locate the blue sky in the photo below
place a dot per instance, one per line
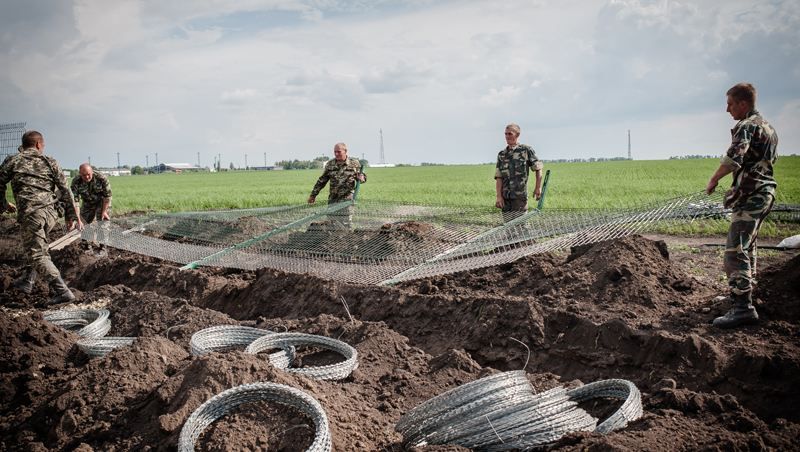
(441, 78)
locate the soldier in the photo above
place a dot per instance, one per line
(35, 179)
(95, 192)
(511, 175)
(342, 172)
(750, 157)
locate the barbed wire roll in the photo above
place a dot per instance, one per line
(630, 410)
(338, 371)
(222, 403)
(228, 337)
(99, 347)
(447, 401)
(94, 323)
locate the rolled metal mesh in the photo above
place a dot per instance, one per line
(99, 347)
(222, 403)
(93, 323)
(379, 242)
(502, 412)
(229, 337)
(338, 371)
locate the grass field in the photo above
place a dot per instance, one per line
(572, 185)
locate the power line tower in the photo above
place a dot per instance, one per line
(10, 138)
(629, 145)
(383, 155)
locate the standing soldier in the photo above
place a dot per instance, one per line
(750, 157)
(94, 191)
(511, 176)
(35, 181)
(342, 172)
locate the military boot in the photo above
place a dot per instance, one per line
(741, 313)
(26, 281)
(62, 292)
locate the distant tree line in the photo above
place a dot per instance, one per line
(317, 163)
(589, 160)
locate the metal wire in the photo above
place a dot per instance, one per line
(99, 347)
(338, 371)
(501, 412)
(378, 242)
(228, 337)
(222, 403)
(95, 320)
(630, 410)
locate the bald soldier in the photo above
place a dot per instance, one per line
(514, 163)
(94, 191)
(38, 184)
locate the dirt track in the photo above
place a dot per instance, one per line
(630, 309)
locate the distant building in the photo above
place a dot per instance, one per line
(265, 168)
(382, 165)
(179, 167)
(114, 171)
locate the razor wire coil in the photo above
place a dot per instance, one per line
(222, 403)
(337, 371)
(92, 325)
(228, 337)
(502, 412)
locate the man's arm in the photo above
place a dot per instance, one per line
(319, 185)
(71, 214)
(498, 188)
(105, 189)
(5, 178)
(723, 170)
(537, 166)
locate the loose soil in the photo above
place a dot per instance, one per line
(637, 308)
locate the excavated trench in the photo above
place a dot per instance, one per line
(620, 309)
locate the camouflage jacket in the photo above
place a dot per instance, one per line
(342, 177)
(92, 192)
(753, 151)
(36, 181)
(513, 166)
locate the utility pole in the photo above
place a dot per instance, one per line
(147, 162)
(198, 160)
(118, 165)
(245, 162)
(265, 160)
(629, 145)
(383, 156)
(158, 170)
(89, 159)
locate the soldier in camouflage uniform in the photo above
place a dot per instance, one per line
(342, 173)
(35, 179)
(94, 190)
(511, 175)
(750, 158)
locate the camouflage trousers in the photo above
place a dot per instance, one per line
(514, 208)
(342, 218)
(740, 249)
(91, 211)
(34, 229)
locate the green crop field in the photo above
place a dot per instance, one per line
(605, 185)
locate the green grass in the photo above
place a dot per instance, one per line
(572, 185)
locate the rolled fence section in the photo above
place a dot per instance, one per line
(98, 347)
(284, 341)
(222, 403)
(502, 412)
(630, 410)
(229, 337)
(93, 323)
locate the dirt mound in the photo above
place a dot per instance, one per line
(779, 289)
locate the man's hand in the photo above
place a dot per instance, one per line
(499, 202)
(312, 199)
(537, 193)
(75, 224)
(104, 216)
(11, 208)
(362, 177)
(712, 185)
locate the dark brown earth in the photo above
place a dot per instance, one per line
(634, 308)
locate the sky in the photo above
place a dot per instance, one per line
(287, 79)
